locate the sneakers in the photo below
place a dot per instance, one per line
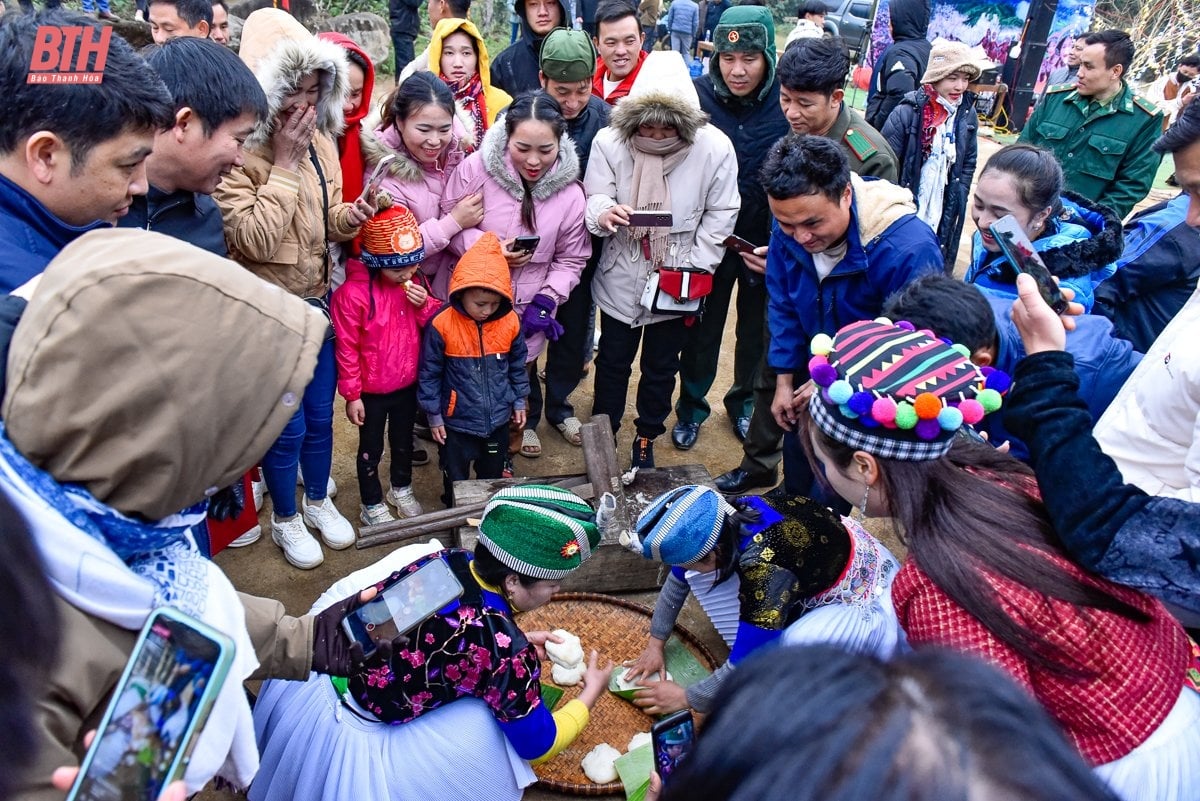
(249, 538)
(405, 502)
(259, 490)
(330, 486)
(299, 547)
(643, 453)
(336, 531)
(375, 514)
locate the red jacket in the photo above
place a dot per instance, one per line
(1139, 667)
(622, 88)
(377, 354)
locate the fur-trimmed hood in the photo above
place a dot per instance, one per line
(662, 94)
(280, 51)
(1083, 256)
(494, 152)
(378, 141)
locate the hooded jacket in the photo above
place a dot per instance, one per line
(494, 98)
(419, 187)
(276, 223)
(379, 333)
(473, 374)
(903, 132)
(30, 235)
(704, 188)
(349, 147)
(887, 247)
(516, 69)
(898, 71)
(752, 124)
(1079, 246)
(558, 206)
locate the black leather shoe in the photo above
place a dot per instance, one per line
(737, 480)
(643, 453)
(684, 435)
(741, 428)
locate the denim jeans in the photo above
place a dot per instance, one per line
(306, 441)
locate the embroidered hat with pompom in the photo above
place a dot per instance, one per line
(539, 531)
(896, 392)
(391, 239)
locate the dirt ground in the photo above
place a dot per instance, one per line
(261, 569)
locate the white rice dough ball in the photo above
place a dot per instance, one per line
(599, 764)
(638, 740)
(568, 653)
(567, 676)
(621, 684)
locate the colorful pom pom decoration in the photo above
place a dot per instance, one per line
(884, 412)
(999, 381)
(927, 406)
(949, 418)
(883, 321)
(990, 400)
(821, 345)
(847, 412)
(906, 416)
(972, 411)
(928, 429)
(960, 349)
(906, 325)
(822, 374)
(861, 402)
(840, 392)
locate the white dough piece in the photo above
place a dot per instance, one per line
(599, 765)
(568, 653)
(642, 681)
(638, 740)
(566, 677)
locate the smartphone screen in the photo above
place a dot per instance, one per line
(160, 704)
(673, 738)
(1017, 248)
(403, 605)
(738, 244)
(526, 244)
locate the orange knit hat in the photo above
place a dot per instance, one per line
(392, 240)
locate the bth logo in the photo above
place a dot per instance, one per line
(62, 54)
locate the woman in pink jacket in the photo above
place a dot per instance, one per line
(417, 129)
(378, 314)
(528, 172)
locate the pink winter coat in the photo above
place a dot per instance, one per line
(376, 354)
(419, 187)
(559, 205)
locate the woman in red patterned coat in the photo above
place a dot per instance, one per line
(985, 572)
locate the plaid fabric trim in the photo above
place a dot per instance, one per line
(886, 446)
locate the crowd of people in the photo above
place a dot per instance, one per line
(199, 216)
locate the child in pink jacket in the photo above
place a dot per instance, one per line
(378, 314)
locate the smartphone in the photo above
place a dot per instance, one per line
(1017, 248)
(157, 710)
(372, 185)
(402, 605)
(673, 738)
(651, 219)
(526, 244)
(736, 243)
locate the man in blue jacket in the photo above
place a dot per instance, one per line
(740, 93)
(72, 155)
(983, 323)
(840, 247)
(683, 21)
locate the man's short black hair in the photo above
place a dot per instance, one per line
(614, 11)
(1118, 48)
(814, 65)
(799, 165)
(459, 8)
(130, 96)
(811, 7)
(191, 11)
(1184, 132)
(209, 79)
(1189, 61)
(948, 307)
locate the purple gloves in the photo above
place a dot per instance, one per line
(538, 317)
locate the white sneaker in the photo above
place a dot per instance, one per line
(249, 538)
(336, 531)
(375, 514)
(405, 502)
(259, 490)
(298, 545)
(330, 486)
(139, 16)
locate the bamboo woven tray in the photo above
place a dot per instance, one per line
(618, 630)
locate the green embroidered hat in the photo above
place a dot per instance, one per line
(539, 531)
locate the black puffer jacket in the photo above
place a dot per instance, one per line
(898, 71)
(903, 132)
(516, 69)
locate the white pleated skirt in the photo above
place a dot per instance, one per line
(1167, 766)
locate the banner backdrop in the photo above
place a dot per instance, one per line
(1071, 19)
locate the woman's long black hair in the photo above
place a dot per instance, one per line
(543, 108)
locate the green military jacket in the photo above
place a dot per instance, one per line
(1105, 155)
(869, 153)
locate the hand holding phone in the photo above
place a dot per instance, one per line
(372, 184)
(651, 219)
(1021, 253)
(526, 244)
(736, 243)
(673, 738)
(402, 605)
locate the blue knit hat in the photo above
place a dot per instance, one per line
(681, 526)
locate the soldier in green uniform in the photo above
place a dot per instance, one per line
(1099, 128)
(811, 75)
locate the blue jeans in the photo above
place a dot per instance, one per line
(306, 442)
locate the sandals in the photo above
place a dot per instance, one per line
(571, 430)
(531, 446)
